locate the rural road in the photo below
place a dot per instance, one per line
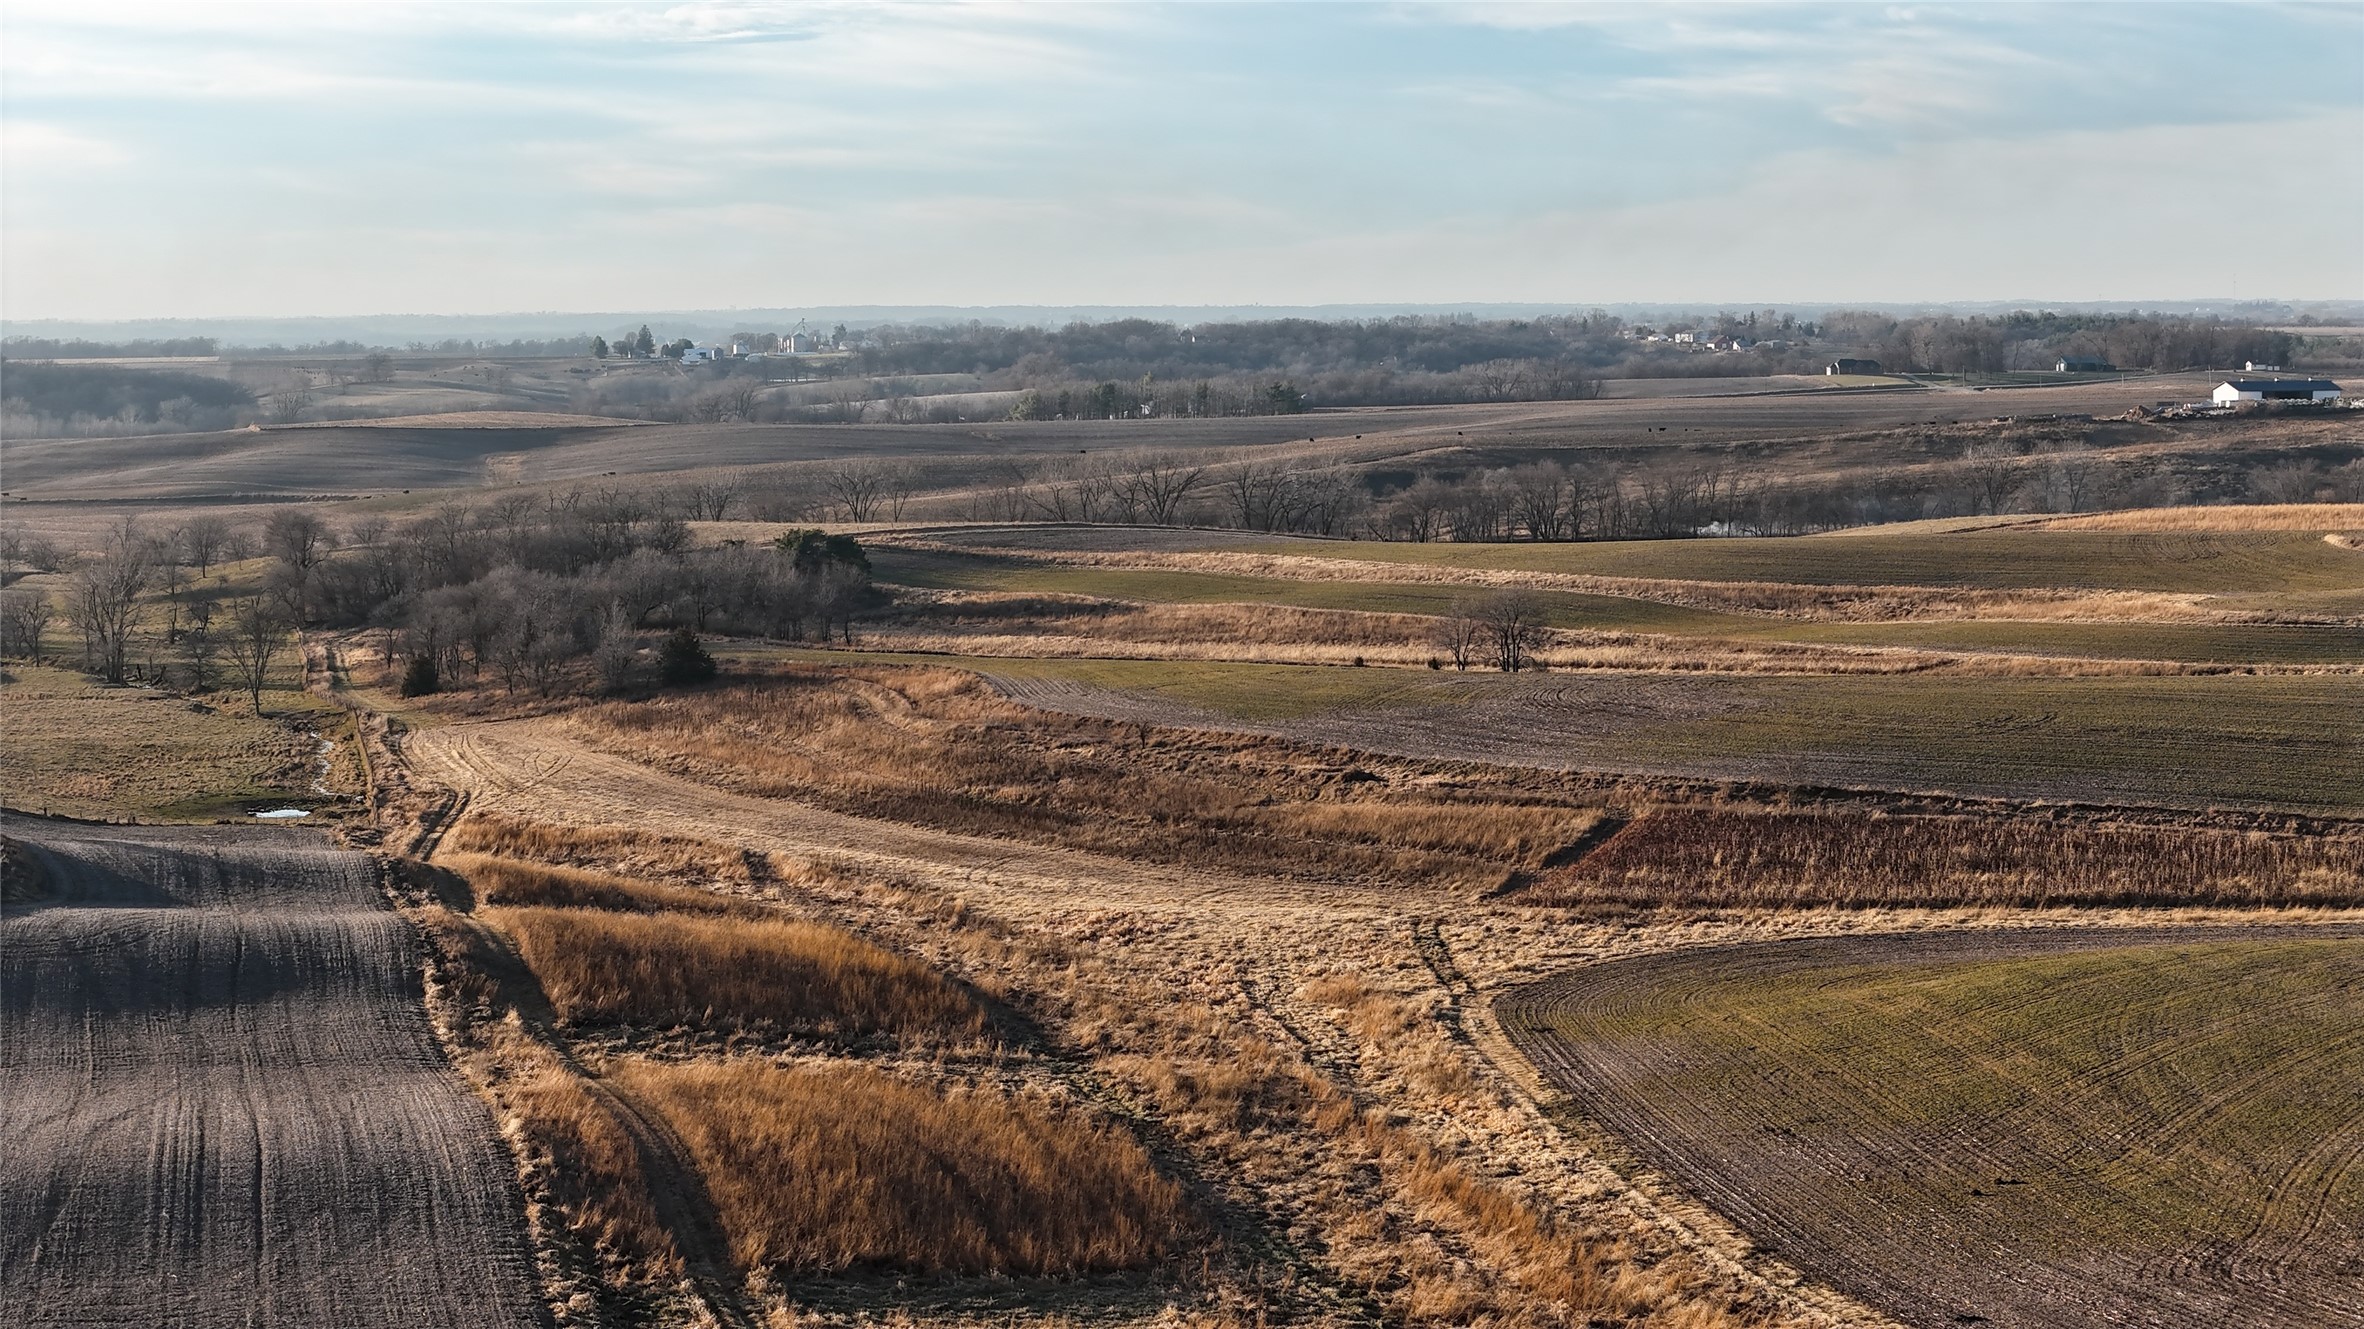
(543, 770)
(222, 1102)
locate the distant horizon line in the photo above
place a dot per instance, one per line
(550, 323)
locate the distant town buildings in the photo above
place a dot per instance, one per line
(2234, 391)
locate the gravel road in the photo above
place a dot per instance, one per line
(222, 1102)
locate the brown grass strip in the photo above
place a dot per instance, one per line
(2233, 517)
(509, 882)
(824, 1169)
(599, 966)
(590, 1162)
(1721, 857)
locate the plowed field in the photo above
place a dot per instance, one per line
(222, 1102)
(2050, 1128)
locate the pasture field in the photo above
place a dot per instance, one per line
(2173, 741)
(81, 749)
(2057, 1129)
(2201, 562)
(2292, 644)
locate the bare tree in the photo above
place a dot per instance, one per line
(897, 486)
(1162, 484)
(292, 400)
(1513, 623)
(712, 499)
(856, 488)
(1461, 629)
(2291, 482)
(103, 600)
(203, 542)
(2071, 479)
(24, 616)
(618, 647)
(257, 631)
(1992, 471)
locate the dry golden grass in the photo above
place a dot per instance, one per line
(504, 881)
(1726, 857)
(2228, 517)
(599, 966)
(623, 849)
(589, 1161)
(939, 748)
(837, 1167)
(1560, 649)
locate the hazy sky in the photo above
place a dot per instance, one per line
(192, 159)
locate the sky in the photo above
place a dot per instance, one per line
(196, 160)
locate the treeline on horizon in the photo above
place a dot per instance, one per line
(1134, 368)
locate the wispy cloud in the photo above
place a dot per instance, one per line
(1076, 152)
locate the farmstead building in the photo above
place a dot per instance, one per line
(2234, 391)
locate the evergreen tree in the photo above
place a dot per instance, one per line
(421, 679)
(684, 660)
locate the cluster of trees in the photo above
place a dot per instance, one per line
(52, 348)
(1945, 344)
(1503, 628)
(1469, 359)
(1669, 498)
(209, 633)
(533, 590)
(49, 400)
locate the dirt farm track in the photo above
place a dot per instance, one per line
(2052, 1128)
(222, 1102)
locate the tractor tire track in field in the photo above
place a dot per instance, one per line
(1854, 1195)
(223, 1102)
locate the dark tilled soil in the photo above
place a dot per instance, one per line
(1922, 1233)
(221, 1101)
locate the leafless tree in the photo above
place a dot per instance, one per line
(255, 634)
(1513, 622)
(1992, 471)
(199, 651)
(711, 499)
(1161, 485)
(617, 649)
(1461, 629)
(856, 488)
(103, 599)
(290, 402)
(2070, 479)
(202, 542)
(900, 482)
(24, 615)
(2291, 482)
(1497, 380)
(1418, 513)
(1545, 501)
